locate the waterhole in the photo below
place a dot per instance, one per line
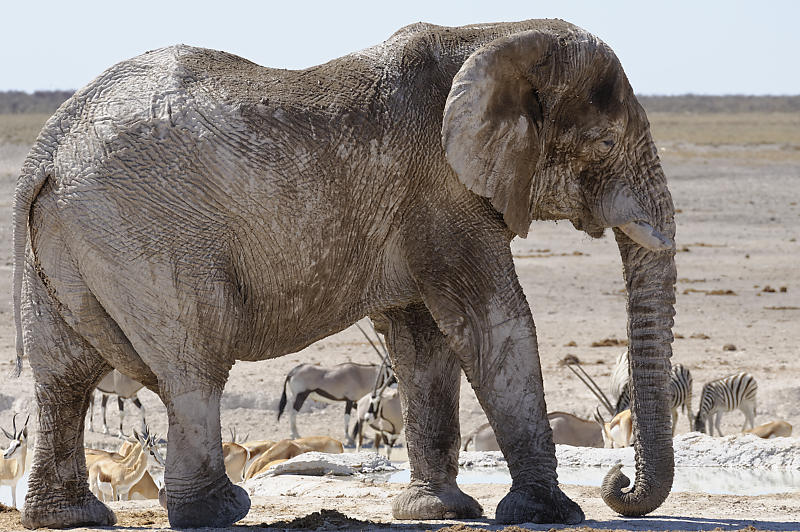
(712, 480)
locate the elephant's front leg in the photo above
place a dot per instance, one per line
(198, 492)
(506, 376)
(429, 376)
(470, 287)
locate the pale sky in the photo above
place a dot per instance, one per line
(668, 47)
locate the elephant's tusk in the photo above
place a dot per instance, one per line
(646, 236)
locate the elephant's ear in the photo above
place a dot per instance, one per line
(492, 122)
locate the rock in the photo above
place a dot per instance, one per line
(317, 464)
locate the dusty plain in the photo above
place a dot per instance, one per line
(735, 181)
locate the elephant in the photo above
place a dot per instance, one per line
(189, 208)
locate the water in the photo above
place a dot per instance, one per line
(712, 480)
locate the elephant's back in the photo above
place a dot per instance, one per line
(146, 96)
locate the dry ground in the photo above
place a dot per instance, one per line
(734, 180)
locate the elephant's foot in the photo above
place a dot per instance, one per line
(219, 507)
(420, 500)
(536, 505)
(40, 512)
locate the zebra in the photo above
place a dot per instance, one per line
(723, 395)
(680, 389)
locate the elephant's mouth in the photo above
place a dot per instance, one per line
(588, 226)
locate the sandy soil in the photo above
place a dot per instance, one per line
(738, 224)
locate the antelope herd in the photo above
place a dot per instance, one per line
(127, 473)
(717, 397)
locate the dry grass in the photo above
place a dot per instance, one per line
(726, 128)
(21, 128)
(770, 137)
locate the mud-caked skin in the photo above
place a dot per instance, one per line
(528, 505)
(422, 501)
(189, 208)
(215, 508)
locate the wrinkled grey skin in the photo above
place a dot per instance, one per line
(189, 208)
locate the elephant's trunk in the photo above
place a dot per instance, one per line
(650, 277)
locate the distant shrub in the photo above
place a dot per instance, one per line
(17, 102)
(693, 103)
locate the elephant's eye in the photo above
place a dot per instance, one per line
(609, 143)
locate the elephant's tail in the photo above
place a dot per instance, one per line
(37, 168)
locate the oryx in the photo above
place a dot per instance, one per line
(119, 384)
(568, 429)
(381, 411)
(346, 382)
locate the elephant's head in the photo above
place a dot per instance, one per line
(545, 125)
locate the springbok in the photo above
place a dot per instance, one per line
(618, 432)
(126, 453)
(256, 448)
(125, 449)
(286, 449)
(567, 430)
(236, 457)
(282, 450)
(12, 467)
(381, 411)
(346, 382)
(114, 479)
(119, 384)
(322, 444)
(145, 489)
(773, 429)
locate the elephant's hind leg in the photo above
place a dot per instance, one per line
(66, 369)
(429, 376)
(198, 491)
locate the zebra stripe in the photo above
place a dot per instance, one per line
(723, 395)
(727, 393)
(680, 389)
